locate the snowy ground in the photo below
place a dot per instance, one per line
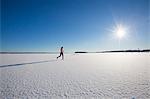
(79, 76)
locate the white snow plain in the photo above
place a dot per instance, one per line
(79, 76)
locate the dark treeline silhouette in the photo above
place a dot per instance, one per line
(80, 52)
(144, 50)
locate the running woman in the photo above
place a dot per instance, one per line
(61, 53)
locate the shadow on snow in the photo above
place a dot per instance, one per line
(19, 64)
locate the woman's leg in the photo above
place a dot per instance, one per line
(62, 56)
(59, 55)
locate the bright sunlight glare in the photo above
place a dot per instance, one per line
(120, 31)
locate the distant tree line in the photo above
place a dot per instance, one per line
(145, 50)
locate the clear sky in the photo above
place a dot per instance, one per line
(78, 25)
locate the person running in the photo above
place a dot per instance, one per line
(61, 53)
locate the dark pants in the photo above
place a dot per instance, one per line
(61, 54)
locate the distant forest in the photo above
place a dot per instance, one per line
(145, 50)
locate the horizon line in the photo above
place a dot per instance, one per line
(46, 52)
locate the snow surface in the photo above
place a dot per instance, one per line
(79, 76)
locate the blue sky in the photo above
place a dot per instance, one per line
(46, 25)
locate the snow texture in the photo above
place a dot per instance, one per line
(79, 76)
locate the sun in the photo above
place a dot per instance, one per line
(120, 31)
